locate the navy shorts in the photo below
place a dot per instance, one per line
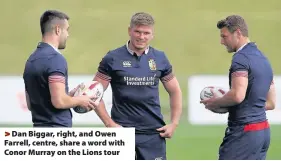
(245, 142)
(150, 147)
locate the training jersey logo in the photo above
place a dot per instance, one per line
(152, 64)
(127, 64)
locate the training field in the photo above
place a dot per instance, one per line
(185, 30)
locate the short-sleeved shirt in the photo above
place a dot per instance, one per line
(134, 81)
(260, 76)
(45, 61)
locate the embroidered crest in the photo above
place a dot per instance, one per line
(152, 64)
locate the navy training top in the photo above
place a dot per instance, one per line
(134, 81)
(260, 76)
(42, 63)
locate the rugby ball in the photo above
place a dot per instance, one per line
(92, 88)
(206, 93)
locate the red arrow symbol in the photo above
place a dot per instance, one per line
(7, 134)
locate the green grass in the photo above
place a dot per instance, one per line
(185, 29)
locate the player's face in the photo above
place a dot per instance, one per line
(229, 40)
(140, 36)
(63, 35)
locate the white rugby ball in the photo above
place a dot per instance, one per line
(207, 94)
(92, 88)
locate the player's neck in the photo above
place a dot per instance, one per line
(49, 40)
(243, 42)
(138, 52)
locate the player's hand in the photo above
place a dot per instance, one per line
(87, 102)
(167, 131)
(72, 92)
(113, 124)
(92, 104)
(211, 103)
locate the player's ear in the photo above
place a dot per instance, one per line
(129, 30)
(57, 30)
(152, 33)
(238, 32)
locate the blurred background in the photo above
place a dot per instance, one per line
(185, 30)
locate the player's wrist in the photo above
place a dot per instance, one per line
(175, 123)
(110, 123)
(77, 101)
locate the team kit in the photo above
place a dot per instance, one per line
(134, 72)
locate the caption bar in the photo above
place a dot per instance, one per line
(64, 143)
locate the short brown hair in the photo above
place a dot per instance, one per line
(142, 18)
(48, 17)
(232, 23)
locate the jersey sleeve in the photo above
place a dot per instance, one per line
(167, 72)
(57, 69)
(105, 68)
(239, 66)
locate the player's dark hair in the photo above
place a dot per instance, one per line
(48, 19)
(232, 23)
